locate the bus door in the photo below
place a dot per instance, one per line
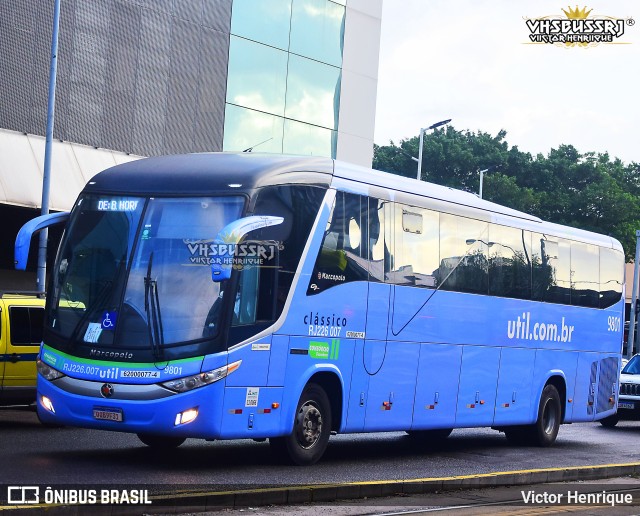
(338, 292)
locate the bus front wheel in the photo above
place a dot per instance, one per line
(311, 429)
(161, 441)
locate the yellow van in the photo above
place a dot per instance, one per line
(21, 323)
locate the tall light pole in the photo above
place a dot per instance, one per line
(422, 131)
(482, 173)
(42, 249)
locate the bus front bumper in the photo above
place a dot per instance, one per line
(171, 415)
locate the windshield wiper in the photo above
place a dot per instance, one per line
(152, 309)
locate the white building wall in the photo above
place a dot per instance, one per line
(72, 165)
(359, 81)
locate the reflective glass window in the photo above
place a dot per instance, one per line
(585, 277)
(91, 263)
(463, 254)
(417, 246)
(611, 276)
(551, 262)
(343, 255)
(26, 325)
(509, 262)
(313, 92)
(170, 297)
(257, 76)
(317, 30)
(544, 259)
(266, 21)
(308, 140)
(245, 128)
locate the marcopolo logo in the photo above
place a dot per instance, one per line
(578, 27)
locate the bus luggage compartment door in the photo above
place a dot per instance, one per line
(478, 384)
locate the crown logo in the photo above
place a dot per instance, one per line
(577, 13)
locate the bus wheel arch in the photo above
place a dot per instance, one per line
(332, 386)
(561, 386)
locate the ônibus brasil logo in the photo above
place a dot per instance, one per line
(578, 27)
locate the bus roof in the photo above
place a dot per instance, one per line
(206, 173)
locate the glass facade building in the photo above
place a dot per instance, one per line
(285, 64)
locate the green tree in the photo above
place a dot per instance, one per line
(588, 191)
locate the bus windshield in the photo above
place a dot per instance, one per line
(135, 273)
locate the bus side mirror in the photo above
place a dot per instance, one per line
(229, 237)
(23, 239)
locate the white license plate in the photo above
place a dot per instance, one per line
(107, 414)
(626, 405)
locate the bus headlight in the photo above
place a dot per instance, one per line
(201, 379)
(47, 372)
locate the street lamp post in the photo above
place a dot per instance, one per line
(482, 173)
(422, 131)
(46, 175)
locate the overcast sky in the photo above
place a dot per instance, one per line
(469, 60)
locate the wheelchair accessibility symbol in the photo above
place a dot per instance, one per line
(109, 320)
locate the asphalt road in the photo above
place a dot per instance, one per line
(33, 454)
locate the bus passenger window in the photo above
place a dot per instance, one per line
(416, 247)
(611, 263)
(509, 262)
(585, 266)
(343, 255)
(463, 255)
(550, 269)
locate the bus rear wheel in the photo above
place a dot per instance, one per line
(311, 429)
(544, 431)
(161, 442)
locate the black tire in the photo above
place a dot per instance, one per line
(161, 442)
(311, 430)
(427, 436)
(610, 421)
(544, 431)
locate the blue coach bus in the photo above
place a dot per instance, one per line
(227, 296)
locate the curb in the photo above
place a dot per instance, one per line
(182, 502)
(324, 493)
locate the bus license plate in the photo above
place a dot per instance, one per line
(107, 414)
(626, 405)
